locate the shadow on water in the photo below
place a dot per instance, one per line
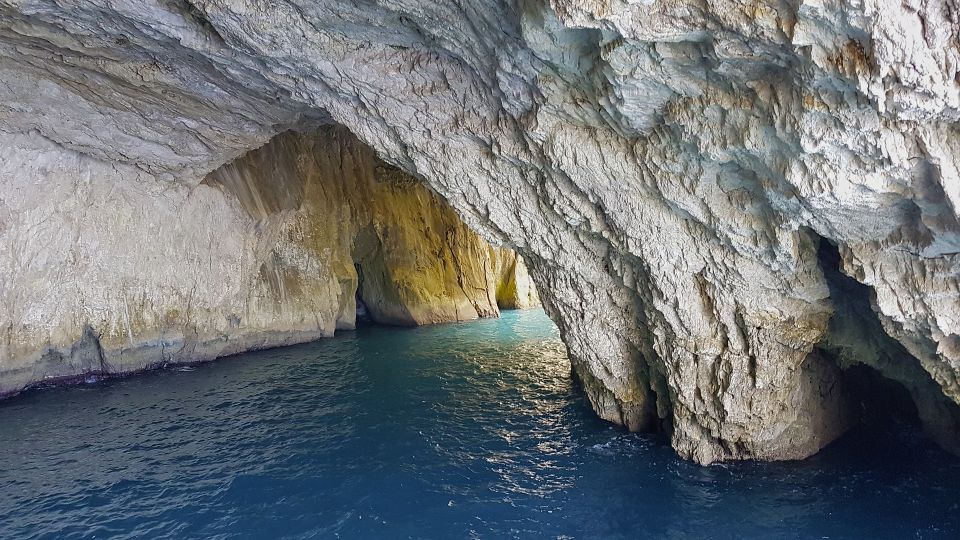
(460, 430)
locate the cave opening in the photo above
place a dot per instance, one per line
(879, 377)
(877, 402)
(332, 217)
(362, 313)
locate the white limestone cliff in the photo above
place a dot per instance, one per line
(690, 183)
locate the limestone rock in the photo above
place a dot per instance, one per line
(669, 170)
(104, 277)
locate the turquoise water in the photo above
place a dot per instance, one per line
(455, 431)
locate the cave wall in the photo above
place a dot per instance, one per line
(339, 207)
(105, 275)
(659, 165)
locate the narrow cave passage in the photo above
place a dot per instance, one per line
(329, 211)
(271, 249)
(363, 313)
(878, 402)
(886, 388)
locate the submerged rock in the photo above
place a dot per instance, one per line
(668, 170)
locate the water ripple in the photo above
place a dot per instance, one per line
(465, 430)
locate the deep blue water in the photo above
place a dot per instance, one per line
(454, 431)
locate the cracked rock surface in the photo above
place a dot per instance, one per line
(681, 177)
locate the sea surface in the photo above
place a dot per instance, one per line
(469, 430)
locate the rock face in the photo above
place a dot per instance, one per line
(346, 225)
(725, 205)
(107, 276)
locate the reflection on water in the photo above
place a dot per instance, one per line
(464, 430)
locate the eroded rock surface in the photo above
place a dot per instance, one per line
(106, 276)
(668, 169)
